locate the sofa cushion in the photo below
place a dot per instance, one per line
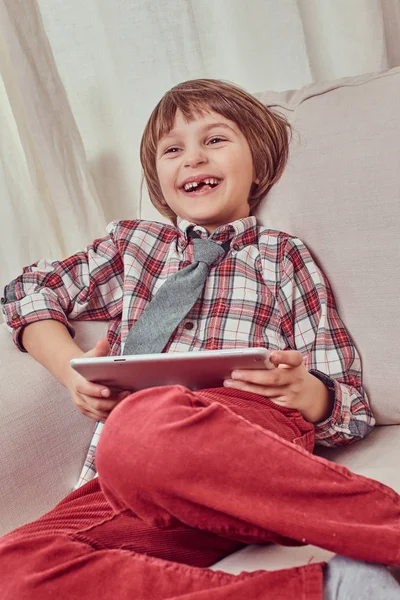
(340, 194)
(43, 438)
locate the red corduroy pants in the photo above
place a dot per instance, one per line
(186, 478)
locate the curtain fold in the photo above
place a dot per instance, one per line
(79, 80)
(344, 37)
(49, 204)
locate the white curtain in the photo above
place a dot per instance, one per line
(80, 78)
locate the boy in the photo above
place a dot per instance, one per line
(188, 476)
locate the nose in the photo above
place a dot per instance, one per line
(195, 157)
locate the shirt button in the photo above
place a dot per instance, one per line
(235, 247)
(15, 317)
(189, 325)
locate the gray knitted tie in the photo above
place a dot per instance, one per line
(173, 301)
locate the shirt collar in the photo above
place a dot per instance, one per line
(240, 233)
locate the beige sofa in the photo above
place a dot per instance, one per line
(341, 195)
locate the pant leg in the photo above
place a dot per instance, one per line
(54, 566)
(346, 579)
(36, 568)
(187, 461)
(86, 516)
(81, 549)
(85, 547)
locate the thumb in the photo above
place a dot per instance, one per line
(286, 359)
(102, 348)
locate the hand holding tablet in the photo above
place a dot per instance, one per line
(194, 370)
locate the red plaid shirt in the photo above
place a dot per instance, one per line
(266, 291)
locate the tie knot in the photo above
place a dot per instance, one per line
(206, 251)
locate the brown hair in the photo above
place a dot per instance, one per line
(267, 133)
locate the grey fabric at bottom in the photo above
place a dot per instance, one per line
(347, 579)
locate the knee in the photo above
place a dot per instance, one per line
(142, 427)
(147, 439)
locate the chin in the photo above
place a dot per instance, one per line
(201, 219)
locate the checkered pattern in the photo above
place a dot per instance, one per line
(267, 291)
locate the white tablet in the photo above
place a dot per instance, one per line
(194, 370)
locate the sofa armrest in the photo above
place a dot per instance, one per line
(43, 439)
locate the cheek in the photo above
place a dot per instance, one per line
(242, 162)
(160, 174)
(250, 166)
(165, 179)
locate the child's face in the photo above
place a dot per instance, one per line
(210, 146)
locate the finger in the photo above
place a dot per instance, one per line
(94, 414)
(291, 358)
(92, 389)
(264, 377)
(100, 405)
(268, 392)
(101, 348)
(271, 392)
(254, 387)
(97, 414)
(277, 396)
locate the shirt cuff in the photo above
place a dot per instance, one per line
(16, 316)
(324, 430)
(342, 426)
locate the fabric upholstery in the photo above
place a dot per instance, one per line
(43, 439)
(340, 194)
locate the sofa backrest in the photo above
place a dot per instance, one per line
(340, 194)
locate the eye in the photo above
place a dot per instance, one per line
(219, 139)
(169, 150)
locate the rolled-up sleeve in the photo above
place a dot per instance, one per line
(87, 285)
(311, 324)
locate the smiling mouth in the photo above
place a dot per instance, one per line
(201, 189)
